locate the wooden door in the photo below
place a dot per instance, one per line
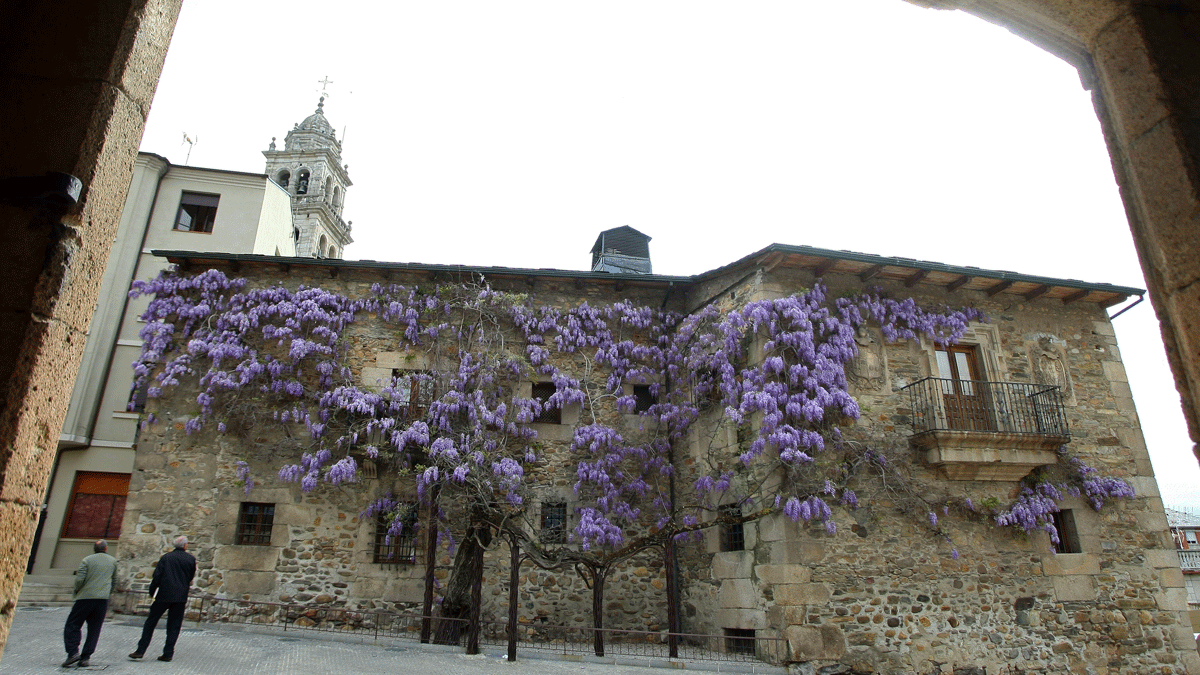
(963, 389)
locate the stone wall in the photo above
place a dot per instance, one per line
(885, 594)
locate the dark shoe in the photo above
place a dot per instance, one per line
(136, 655)
(164, 657)
(71, 660)
(83, 663)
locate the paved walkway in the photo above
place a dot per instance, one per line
(35, 646)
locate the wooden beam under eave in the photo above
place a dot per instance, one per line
(1037, 292)
(773, 261)
(333, 272)
(1077, 295)
(236, 266)
(823, 267)
(999, 288)
(958, 283)
(619, 285)
(530, 281)
(285, 268)
(870, 273)
(915, 278)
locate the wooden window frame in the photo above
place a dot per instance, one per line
(1068, 533)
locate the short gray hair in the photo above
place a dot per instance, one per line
(181, 541)
(100, 546)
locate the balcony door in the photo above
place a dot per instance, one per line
(962, 390)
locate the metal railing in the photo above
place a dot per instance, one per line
(1189, 560)
(535, 636)
(940, 404)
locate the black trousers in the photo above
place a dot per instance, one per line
(91, 611)
(174, 612)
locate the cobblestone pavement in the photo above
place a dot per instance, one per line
(35, 645)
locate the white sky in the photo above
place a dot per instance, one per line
(511, 133)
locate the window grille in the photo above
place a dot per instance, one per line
(254, 524)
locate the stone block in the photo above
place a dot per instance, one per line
(812, 643)
(1070, 564)
(1161, 558)
(732, 564)
(802, 594)
(742, 618)
(1144, 486)
(1172, 599)
(771, 528)
(240, 582)
(1114, 371)
(376, 377)
(795, 552)
(1074, 588)
(258, 558)
(783, 574)
(738, 593)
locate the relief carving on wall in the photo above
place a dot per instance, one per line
(868, 369)
(1048, 363)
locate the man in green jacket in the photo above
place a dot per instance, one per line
(94, 583)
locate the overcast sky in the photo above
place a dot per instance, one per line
(511, 133)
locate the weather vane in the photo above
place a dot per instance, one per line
(325, 85)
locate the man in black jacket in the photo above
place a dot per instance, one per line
(169, 587)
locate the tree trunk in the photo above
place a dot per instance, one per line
(598, 610)
(476, 601)
(672, 599)
(514, 576)
(456, 604)
(430, 564)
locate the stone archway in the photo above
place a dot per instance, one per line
(81, 77)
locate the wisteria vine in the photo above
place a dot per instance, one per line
(771, 373)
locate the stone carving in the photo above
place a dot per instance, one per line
(1048, 361)
(867, 369)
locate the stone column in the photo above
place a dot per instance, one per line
(79, 77)
(1147, 67)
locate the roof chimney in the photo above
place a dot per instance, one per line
(621, 250)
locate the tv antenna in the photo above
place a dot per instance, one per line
(191, 144)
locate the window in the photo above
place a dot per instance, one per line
(401, 549)
(254, 524)
(1190, 537)
(739, 641)
(966, 409)
(137, 399)
(1068, 536)
(542, 391)
(554, 523)
(283, 179)
(643, 398)
(197, 212)
(414, 391)
(97, 506)
(733, 536)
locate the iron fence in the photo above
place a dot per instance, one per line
(940, 404)
(530, 636)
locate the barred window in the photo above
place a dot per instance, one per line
(400, 549)
(733, 536)
(643, 398)
(542, 391)
(414, 392)
(554, 523)
(254, 524)
(739, 640)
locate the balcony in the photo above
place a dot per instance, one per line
(977, 430)
(1189, 561)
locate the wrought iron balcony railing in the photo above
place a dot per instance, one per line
(978, 406)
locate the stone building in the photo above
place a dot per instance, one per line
(172, 207)
(1185, 530)
(880, 594)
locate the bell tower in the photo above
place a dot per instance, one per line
(310, 169)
